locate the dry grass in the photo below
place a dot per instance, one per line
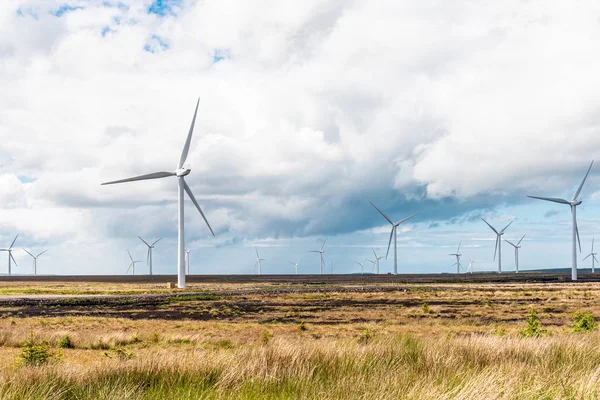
(466, 347)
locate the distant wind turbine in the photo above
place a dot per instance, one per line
(573, 204)
(10, 256)
(377, 258)
(457, 255)
(35, 260)
(295, 264)
(132, 265)
(187, 260)
(593, 255)
(321, 254)
(362, 266)
(149, 256)
(258, 260)
(394, 234)
(470, 268)
(498, 247)
(180, 173)
(517, 247)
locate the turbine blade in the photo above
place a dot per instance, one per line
(131, 258)
(41, 253)
(511, 243)
(148, 256)
(375, 254)
(189, 192)
(324, 241)
(522, 237)
(496, 247)
(595, 259)
(382, 213)
(502, 231)
(593, 245)
(459, 243)
(582, 182)
(13, 242)
(554, 199)
(188, 140)
(390, 242)
(314, 251)
(146, 243)
(586, 257)
(129, 268)
(34, 256)
(155, 175)
(406, 219)
(11, 256)
(494, 229)
(159, 239)
(257, 256)
(577, 232)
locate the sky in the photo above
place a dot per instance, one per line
(308, 111)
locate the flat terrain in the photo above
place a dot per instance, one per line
(335, 336)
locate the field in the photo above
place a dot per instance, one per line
(352, 337)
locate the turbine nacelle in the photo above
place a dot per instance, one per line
(182, 172)
(575, 203)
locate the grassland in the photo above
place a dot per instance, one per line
(283, 340)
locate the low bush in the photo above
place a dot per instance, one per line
(584, 322)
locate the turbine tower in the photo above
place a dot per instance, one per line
(593, 255)
(393, 233)
(321, 253)
(35, 260)
(132, 265)
(295, 264)
(180, 173)
(457, 255)
(377, 258)
(517, 247)
(498, 247)
(149, 256)
(258, 260)
(187, 260)
(10, 256)
(573, 204)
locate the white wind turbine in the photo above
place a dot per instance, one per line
(35, 260)
(393, 233)
(377, 258)
(498, 247)
(187, 260)
(132, 265)
(457, 255)
(321, 254)
(573, 203)
(180, 173)
(470, 268)
(258, 260)
(10, 256)
(517, 247)
(149, 256)
(362, 266)
(295, 264)
(593, 255)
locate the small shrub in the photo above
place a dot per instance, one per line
(584, 322)
(365, 337)
(425, 307)
(65, 342)
(155, 337)
(302, 327)
(533, 328)
(119, 353)
(266, 336)
(35, 353)
(13, 322)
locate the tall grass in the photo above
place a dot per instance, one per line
(387, 367)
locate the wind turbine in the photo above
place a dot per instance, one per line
(258, 260)
(470, 268)
(362, 266)
(150, 247)
(457, 255)
(377, 258)
(10, 256)
(593, 255)
(180, 173)
(321, 253)
(35, 260)
(187, 260)
(517, 247)
(295, 264)
(132, 265)
(393, 233)
(498, 247)
(573, 203)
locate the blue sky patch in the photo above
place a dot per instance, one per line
(64, 9)
(156, 44)
(164, 7)
(220, 54)
(27, 12)
(26, 179)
